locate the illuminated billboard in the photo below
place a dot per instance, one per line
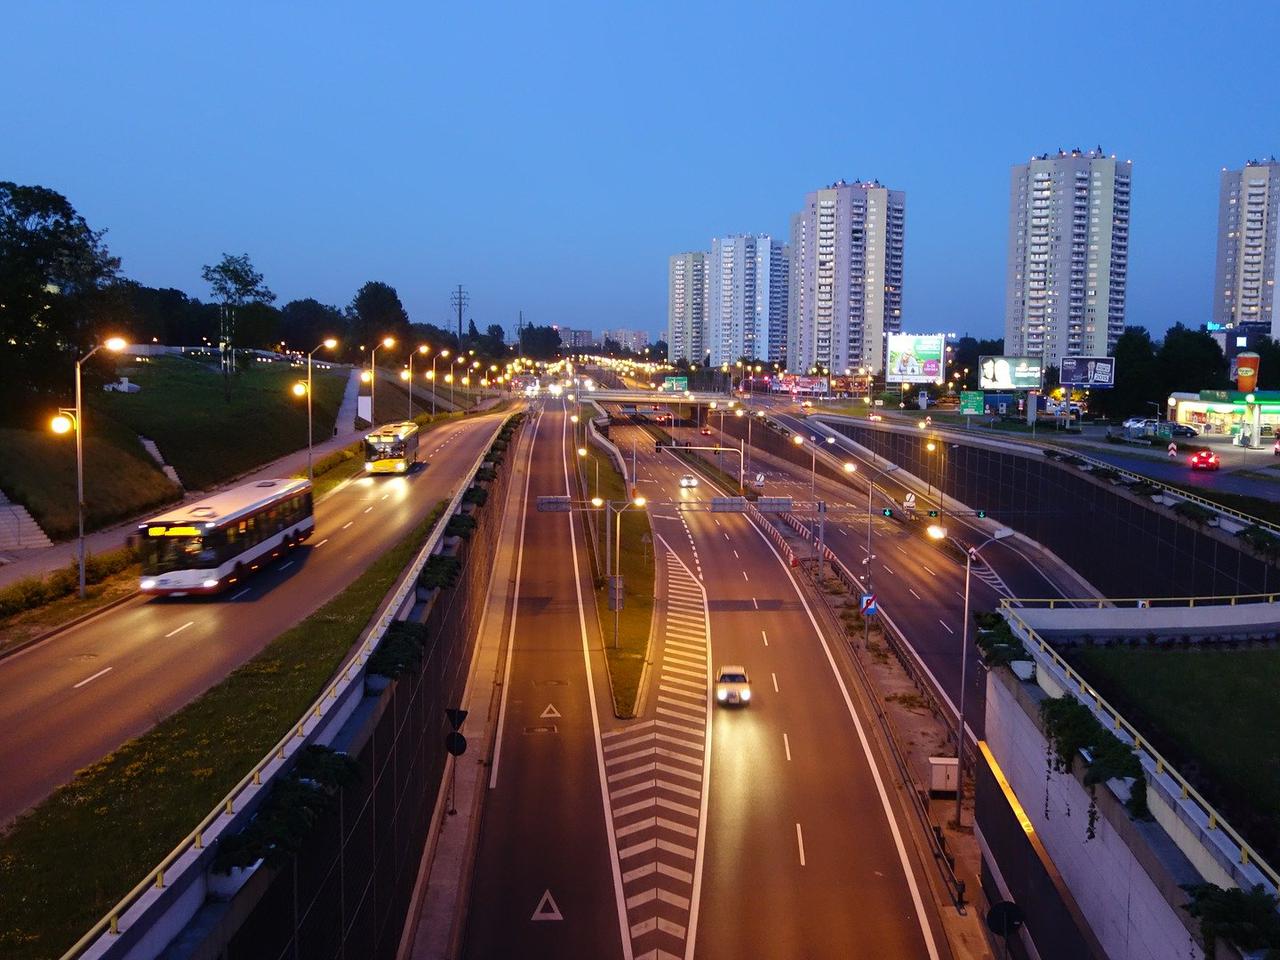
(1095, 373)
(915, 358)
(1009, 373)
(794, 384)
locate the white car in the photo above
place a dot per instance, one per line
(688, 480)
(733, 685)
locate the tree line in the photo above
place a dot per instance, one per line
(61, 291)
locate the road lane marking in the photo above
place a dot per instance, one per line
(765, 637)
(786, 743)
(367, 509)
(913, 593)
(237, 596)
(901, 551)
(179, 630)
(931, 573)
(323, 542)
(347, 524)
(93, 678)
(745, 577)
(775, 682)
(385, 495)
(755, 603)
(946, 628)
(888, 570)
(287, 565)
(800, 843)
(958, 594)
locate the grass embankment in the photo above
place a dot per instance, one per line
(124, 813)
(1212, 713)
(1260, 507)
(626, 660)
(182, 408)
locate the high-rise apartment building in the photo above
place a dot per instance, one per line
(1244, 289)
(627, 339)
(846, 276)
(1068, 255)
(687, 307)
(746, 297)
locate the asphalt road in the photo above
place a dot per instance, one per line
(543, 884)
(805, 850)
(74, 698)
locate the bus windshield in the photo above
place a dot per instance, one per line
(166, 553)
(383, 449)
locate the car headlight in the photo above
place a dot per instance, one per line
(746, 694)
(722, 694)
(148, 584)
(210, 583)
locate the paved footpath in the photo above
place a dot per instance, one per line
(28, 563)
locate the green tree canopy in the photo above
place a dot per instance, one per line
(376, 312)
(234, 281)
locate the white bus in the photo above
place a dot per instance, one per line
(204, 547)
(392, 448)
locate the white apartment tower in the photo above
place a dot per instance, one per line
(686, 307)
(1244, 289)
(746, 298)
(846, 276)
(1068, 255)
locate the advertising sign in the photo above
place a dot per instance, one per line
(1009, 373)
(1246, 371)
(792, 383)
(674, 384)
(971, 403)
(915, 358)
(1094, 373)
(849, 385)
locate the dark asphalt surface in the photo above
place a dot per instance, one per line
(801, 859)
(543, 824)
(69, 701)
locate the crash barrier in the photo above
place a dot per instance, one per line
(1197, 821)
(150, 915)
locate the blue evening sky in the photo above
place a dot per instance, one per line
(550, 156)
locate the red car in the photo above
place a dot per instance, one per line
(1204, 460)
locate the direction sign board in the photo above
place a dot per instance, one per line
(554, 505)
(971, 402)
(774, 504)
(728, 504)
(674, 385)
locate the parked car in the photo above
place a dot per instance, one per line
(1204, 460)
(1182, 430)
(1134, 422)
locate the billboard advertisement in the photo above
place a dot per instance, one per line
(792, 383)
(1009, 373)
(1095, 373)
(915, 358)
(850, 385)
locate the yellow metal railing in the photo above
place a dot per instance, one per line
(1118, 724)
(226, 808)
(1101, 602)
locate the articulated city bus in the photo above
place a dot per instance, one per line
(392, 448)
(205, 547)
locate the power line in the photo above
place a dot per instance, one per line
(460, 299)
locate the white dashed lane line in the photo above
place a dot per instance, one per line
(174, 633)
(931, 573)
(775, 682)
(913, 593)
(347, 524)
(765, 637)
(946, 628)
(92, 678)
(786, 745)
(323, 542)
(237, 596)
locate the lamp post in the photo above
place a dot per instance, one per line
(373, 377)
(328, 344)
(443, 354)
(613, 551)
(423, 349)
(972, 552)
(73, 419)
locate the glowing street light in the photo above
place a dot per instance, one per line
(328, 343)
(373, 377)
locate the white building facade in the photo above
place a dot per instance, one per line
(746, 296)
(1068, 266)
(687, 307)
(845, 291)
(1244, 289)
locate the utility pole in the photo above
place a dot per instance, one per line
(460, 301)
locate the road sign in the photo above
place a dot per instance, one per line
(455, 717)
(554, 505)
(971, 403)
(728, 504)
(774, 504)
(867, 605)
(909, 502)
(455, 743)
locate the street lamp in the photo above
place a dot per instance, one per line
(73, 419)
(969, 554)
(301, 389)
(373, 377)
(407, 376)
(432, 377)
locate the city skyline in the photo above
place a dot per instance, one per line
(334, 166)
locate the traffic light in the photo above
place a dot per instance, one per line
(933, 513)
(982, 514)
(887, 511)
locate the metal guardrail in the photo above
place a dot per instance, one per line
(1114, 721)
(1226, 600)
(132, 907)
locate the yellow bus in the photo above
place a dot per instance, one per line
(392, 448)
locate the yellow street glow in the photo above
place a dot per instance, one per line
(330, 343)
(61, 424)
(850, 468)
(936, 532)
(388, 341)
(639, 501)
(597, 502)
(299, 389)
(797, 440)
(115, 344)
(365, 376)
(404, 374)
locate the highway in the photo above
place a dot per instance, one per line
(74, 698)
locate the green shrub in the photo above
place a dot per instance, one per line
(32, 592)
(460, 526)
(476, 495)
(1263, 541)
(439, 571)
(401, 647)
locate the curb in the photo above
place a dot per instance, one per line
(62, 627)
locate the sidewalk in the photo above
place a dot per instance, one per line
(29, 563)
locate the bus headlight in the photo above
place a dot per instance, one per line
(400, 467)
(209, 584)
(148, 584)
(368, 465)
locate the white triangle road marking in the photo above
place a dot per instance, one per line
(546, 908)
(550, 713)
